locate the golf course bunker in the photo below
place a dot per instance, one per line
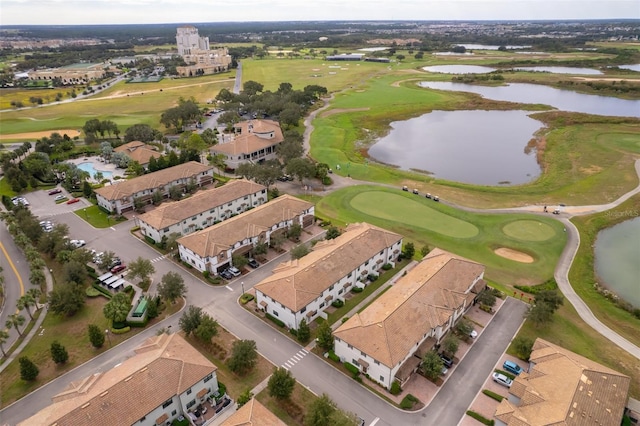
(515, 255)
(528, 230)
(397, 208)
(72, 133)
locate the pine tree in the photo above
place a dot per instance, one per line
(58, 353)
(28, 370)
(96, 336)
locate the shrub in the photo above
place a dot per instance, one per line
(149, 240)
(122, 330)
(352, 368)
(372, 277)
(357, 289)
(408, 402)
(92, 292)
(293, 331)
(480, 418)
(506, 373)
(337, 303)
(387, 266)
(395, 388)
(493, 395)
(246, 298)
(333, 357)
(106, 293)
(275, 320)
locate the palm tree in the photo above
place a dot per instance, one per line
(36, 277)
(35, 293)
(4, 336)
(15, 320)
(26, 302)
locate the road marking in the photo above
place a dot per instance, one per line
(13, 267)
(285, 367)
(297, 358)
(228, 288)
(374, 421)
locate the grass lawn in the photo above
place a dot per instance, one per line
(96, 217)
(425, 222)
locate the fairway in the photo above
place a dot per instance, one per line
(528, 230)
(396, 207)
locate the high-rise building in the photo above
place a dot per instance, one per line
(196, 52)
(189, 41)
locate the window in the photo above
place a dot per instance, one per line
(376, 362)
(142, 419)
(331, 288)
(209, 377)
(366, 263)
(189, 391)
(322, 305)
(381, 378)
(246, 198)
(363, 354)
(167, 403)
(350, 347)
(303, 310)
(350, 273)
(174, 412)
(191, 403)
(275, 313)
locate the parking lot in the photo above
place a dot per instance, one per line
(44, 205)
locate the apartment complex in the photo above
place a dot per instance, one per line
(119, 197)
(196, 52)
(304, 288)
(139, 152)
(387, 339)
(253, 141)
(80, 73)
(167, 378)
(564, 388)
(212, 249)
(203, 209)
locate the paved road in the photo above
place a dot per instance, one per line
(15, 267)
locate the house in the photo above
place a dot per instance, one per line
(203, 209)
(304, 288)
(139, 152)
(165, 379)
(253, 413)
(119, 197)
(409, 318)
(212, 249)
(564, 388)
(253, 141)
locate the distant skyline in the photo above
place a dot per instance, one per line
(92, 12)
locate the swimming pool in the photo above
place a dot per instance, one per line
(88, 167)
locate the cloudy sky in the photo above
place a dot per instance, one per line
(60, 12)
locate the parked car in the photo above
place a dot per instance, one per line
(512, 367)
(226, 275)
(253, 263)
(448, 362)
(444, 370)
(77, 243)
(115, 262)
(117, 269)
(501, 379)
(73, 200)
(97, 257)
(360, 421)
(60, 197)
(55, 191)
(234, 271)
(473, 334)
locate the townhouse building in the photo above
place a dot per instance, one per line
(166, 379)
(253, 141)
(119, 197)
(212, 249)
(202, 210)
(386, 339)
(304, 288)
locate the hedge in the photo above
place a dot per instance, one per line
(352, 368)
(246, 298)
(506, 373)
(120, 330)
(333, 357)
(480, 418)
(92, 292)
(338, 304)
(395, 388)
(275, 320)
(492, 394)
(106, 293)
(357, 289)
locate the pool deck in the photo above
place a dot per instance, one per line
(99, 165)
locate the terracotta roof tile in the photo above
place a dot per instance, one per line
(253, 413)
(249, 139)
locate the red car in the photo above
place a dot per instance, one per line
(73, 200)
(117, 269)
(55, 191)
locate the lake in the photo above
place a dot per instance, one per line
(634, 67)
(490, 47)
(459, 69)
(564, 100)
(617, 259)
(561, 70)
(489, 149)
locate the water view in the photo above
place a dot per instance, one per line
(459, 69)
(561, 70)
(488, 150)
(88, 167)
(617, 252)
(564, 100)
(634, 67)
(491, 47)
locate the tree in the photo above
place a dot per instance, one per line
(294, 231)
(244, 397)
(551, 298)
(321, 412)
(74, 272)
(304, 332)
(190, 319)
(239, 261)
(117, 308)
(281, 383)
(487, 298)
(432, 365)
(425, 250)
(59, 353)
(244, 356)
(96, 336)
(408, 251)
(207, 329)
(450, 345)
(26, 302)
(28, 370)
(523, 347)
(141, 268)
(4, 336)
(171, 287)
(142, 133)
(289, 149)
(299, 251)
(87, 190)
(66, 299)
(332, 232)
(302, 168)
(464, 327)
(544, 306)
(15, 321)
(324, 335)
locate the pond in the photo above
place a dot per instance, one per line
(459, 69)
(488, 150)
(617, 259)
(561, 70)
(88, 167)
(634, 67)
(564, 100)
(490, 47)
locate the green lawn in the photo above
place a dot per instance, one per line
(430, 223)
(96, 217)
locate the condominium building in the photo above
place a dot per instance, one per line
(253, 141)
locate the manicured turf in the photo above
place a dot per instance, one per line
(529, 230)
(409, 211)
(376, 205)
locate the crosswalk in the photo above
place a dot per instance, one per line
(159, 258)
(295, 359)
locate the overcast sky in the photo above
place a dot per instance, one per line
(51, 12)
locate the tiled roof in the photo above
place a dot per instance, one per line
(152, 180)
(565, 388)
(168, 214)
(297, 283)
(163, 367)
(138, 151)
(129, 146)
(248, 141)
(418, 302)
(253, 413)
(218, 238)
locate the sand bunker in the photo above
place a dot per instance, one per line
(511, 254)
(38, 135)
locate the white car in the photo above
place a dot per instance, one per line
(60, 197)
(234, 271)
(473, 334)
(501, 379)
(77, 243)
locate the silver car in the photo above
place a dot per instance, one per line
(501, 379)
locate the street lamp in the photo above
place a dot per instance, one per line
(85, 214)
(242, 284)
(108, 338)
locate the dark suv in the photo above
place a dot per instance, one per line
(226, 274)
(448, 362)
